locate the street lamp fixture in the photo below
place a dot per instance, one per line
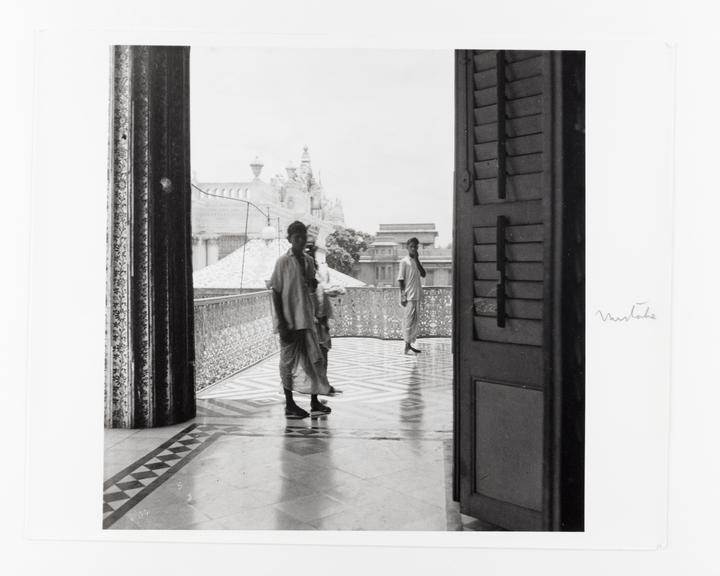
(268, 232)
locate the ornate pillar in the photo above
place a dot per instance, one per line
(150, 338)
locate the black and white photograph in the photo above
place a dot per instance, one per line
(345, 289)
(361, 288)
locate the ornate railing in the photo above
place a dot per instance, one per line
(377, 312)
(231, 333)
(234, 332)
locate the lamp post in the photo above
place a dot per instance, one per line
(268, 233)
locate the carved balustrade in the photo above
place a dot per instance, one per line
(231, 333)
(235, 332)
(376, 312)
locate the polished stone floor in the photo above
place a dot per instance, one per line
(382, 460)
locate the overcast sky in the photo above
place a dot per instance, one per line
(378, 123)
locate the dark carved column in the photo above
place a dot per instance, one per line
(150, 345)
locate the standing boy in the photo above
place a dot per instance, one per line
(301, 361)
(411, 271)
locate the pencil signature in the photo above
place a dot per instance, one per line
(638, 311)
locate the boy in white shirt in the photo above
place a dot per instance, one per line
(409, 278)
(302, 366)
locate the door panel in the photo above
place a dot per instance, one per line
(514, 128)
(514, 308)
(523, 233)
(511, 267)
(509, 444)
(526, 290)
(502, 228)
(520, 364)
(528, 332)
(518, 252)
(516, 213)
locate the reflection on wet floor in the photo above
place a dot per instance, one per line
(380, 461)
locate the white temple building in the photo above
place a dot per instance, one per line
(221, 224)
(249, 268)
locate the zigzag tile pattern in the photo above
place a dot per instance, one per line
(381, 388)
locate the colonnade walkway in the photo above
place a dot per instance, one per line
(382, 460)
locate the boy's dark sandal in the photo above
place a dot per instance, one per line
(316, 409)
(296, 412)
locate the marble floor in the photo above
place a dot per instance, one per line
(382, 460)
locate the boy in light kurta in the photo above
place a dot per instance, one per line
(411, 271)
(302, 367)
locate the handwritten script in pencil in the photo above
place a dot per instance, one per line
(638, 311)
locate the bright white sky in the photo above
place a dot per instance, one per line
(378, 123)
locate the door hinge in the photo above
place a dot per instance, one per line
(463, 183)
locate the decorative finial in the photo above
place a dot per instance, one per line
(257, 166)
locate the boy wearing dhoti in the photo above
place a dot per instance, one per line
(302, 367)
(409, 278)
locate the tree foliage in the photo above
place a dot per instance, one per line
(344, 247)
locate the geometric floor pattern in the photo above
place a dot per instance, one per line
(412, 392)
(366, 369)
(382, 460)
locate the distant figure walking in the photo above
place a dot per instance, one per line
(302, 367)
(411, 293)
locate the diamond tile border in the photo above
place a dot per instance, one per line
(128, 487)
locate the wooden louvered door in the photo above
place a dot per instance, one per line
(508, 205)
